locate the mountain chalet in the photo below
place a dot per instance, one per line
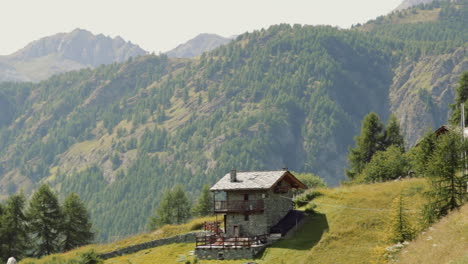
(255, 206)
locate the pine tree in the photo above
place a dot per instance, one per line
(447, 175)
(367, 144)
(76, 228)
(461, 97)
(174, 208)
(422, 152)
(14, 229)
(181, 205)
(392, 134)
(400, 228)
(204, 206)
(45, 218)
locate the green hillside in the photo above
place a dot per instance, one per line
(290, 96)
(350, 226)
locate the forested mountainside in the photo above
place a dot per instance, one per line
(290, 96)
(435, 54)
(196, 46)
(65, 52)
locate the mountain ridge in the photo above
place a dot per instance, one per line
(195, 47)
(64, 52)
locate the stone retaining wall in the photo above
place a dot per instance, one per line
(228, 253)
(185, 238)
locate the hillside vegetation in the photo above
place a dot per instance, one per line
(121, 134)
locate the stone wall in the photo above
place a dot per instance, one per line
(256, 223)
(185, 238)
(228, 253)
(277, 205)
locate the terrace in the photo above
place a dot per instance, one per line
(218, 241)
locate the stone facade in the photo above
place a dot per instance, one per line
(277, 205)
(228, 253)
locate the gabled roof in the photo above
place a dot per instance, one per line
(255, 180)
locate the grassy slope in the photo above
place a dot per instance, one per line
(445, 242)
(165, 231)
(336, 234)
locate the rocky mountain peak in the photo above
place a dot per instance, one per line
(201, 43)
(81, 46)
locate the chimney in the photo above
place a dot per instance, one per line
(233, 175)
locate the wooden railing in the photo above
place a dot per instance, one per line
(216, 241)
(239, 206)
(214, 227)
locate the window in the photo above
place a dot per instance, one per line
(246, 217)
(246, 197)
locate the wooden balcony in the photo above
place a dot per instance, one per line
(239, 206)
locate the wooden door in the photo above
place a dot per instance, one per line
(236, 231)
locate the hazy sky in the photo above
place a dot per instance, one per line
(159, 26)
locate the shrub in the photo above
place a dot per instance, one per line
(306, 197)
(310, 209)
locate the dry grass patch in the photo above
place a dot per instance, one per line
(444, 242)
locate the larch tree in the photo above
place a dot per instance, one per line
(181, 205)
(367, 144)
(45, 218)
(447, 174)
(392, 134)
(204, 205)
(174, 208)
(422, 152)
(14, 228)
(76, 227)
(461, 97)
(400, 229)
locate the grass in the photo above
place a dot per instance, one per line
(444, 242)
(172, 253)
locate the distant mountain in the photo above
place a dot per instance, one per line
(65, 52)
(410, 3)
(198, 45)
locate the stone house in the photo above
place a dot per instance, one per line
(253, 202)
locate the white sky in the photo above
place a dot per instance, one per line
(160, 25)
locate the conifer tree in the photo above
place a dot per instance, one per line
(174, 208)
(461, 96)
(45, 218)
(204, 206)
(400, 228)
(392, 134)
(14, 229)
(447, 175)
(76, 228)
(181, 205)
(367, 144)
(422, 152)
